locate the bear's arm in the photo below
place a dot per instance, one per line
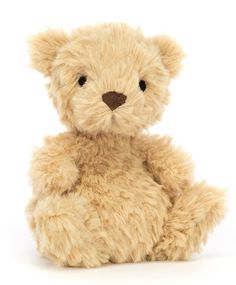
(53, 167)
(170, 166)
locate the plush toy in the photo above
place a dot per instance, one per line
(104, 191)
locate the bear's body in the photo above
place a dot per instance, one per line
(113, 194)
(115, 184)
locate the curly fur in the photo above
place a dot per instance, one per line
(103, 191)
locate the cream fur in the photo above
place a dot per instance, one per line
(103, 191)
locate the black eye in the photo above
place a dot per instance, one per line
(142, 85)
(82, 80)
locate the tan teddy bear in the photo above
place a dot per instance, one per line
(104, 191)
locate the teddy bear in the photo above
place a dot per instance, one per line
(107, 191)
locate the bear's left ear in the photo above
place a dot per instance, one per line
(44, 47)
(171, 53)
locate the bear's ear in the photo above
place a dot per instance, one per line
(170, 52)
(44, 47)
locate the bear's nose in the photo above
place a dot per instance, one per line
(113, 99)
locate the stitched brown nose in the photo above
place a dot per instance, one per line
(113, 99)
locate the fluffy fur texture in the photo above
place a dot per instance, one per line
(103, 191)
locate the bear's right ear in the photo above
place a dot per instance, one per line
(44, 47)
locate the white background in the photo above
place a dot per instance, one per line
(201, 118)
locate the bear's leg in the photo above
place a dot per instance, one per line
(193, 215)
(68, 231)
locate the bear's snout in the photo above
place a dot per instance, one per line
(113, 99)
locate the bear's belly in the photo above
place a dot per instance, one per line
(131, 206)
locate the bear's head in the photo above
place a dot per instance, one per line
(107, 78)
